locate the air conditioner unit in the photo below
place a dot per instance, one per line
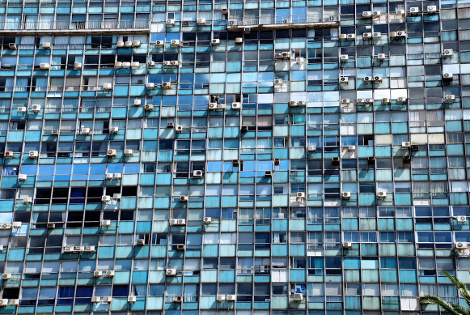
(198, 174)
(401, 34)
(105, 223)
(431, 9)
(299, 60)
(406, 144)
(108, 86)
(369, 101)
(175, 43)
(448, 76)
(96, 299)
(298, 297)
(12, 46)
(16, 225)
(22, 109)
(351, 148)
(343, 36)
(347, 245)
(461, 219)
(128, 43)
(151, 64)
(293, 103)
(3, 302)
(367, 79)
(213, 106)
(179, 129)
(15, 302)
(33, 154)
(367, 14)
(109, 273)
(381, 56)
(351, 36)
(236, 105)
(6, 276)
(105, 198)
(300, 195)
(126, 64)
(278, 81)
(120, 44)
(109, 176)
(22, 177)
(9, 154)
(44, 66)
(184, 198)
(166, 85)
(97, 273)
(382, 194)
(131, 299)
(460, 245)
(174, 63)
(207, 220)
(160, 43)
(346, 194)
(113, 129)
(377, 78)
(27, 200)
(118, 64)
(117, 196)
(128, 152)
(312, 148)
(220, 298)
(244, 129)
(402, 99)
(367, 35)
(170, 22)
(215, 41)
(137, 102)
(231, 297)
(376, 13)
(166, 63)
(171, 272)
(278, 56)
(345, 101)
(148, 107)
(36, 108)
(107, 299)
(286, 55)
(135, 64)
(180, 247)
(201, 21)
(232, 22)
(343, 79)
(181, 221)
(448, 53)
(449, 98)
(239, 40)
(414, 10)
(385, 100)
(117, 175)
(150, 86)
(112, 152)
(344, 58)
(136, 43)
(377, 35)
(177, 299)
(268, 173)
(5, 226)
(141, 242)
(46, 45)
(393, 34)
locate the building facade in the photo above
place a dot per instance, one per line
(233, 157)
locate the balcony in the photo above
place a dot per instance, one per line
(282, 22)
(75, 27)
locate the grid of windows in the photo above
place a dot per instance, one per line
(233, 157)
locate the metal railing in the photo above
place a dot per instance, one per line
(66, 25)
(282, 19)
